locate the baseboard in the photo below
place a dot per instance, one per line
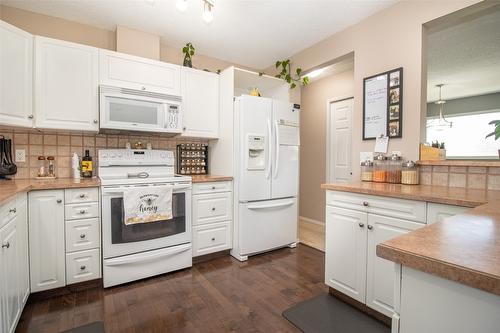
(308, 220)
(66, 290)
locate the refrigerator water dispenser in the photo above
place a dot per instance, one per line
(256, 152)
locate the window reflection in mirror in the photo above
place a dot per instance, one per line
(463, 60)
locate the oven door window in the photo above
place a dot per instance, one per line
(121, 233)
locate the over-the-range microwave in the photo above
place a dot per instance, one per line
(137, 110)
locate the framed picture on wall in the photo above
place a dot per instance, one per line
(383, 105)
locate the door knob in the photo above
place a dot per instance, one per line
(361, 225)
(95, 121)
(365, 203)
(82, 195)
(213, 209)
(213, 239)
(370, 227)
(83, 211)
(30, 116)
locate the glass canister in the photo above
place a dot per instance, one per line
(367, 171)
(380, 167)
(410, 173)
(51, 171)
(394, 172)
(42, 166)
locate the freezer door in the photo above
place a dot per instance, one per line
(266, 225)
(255, 129)
(284, 112)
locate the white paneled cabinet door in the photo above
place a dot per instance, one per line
(380, 272)
(16, 76)
(46, 233)
(23, 261)
(66, 85)
(438, 212)
(345, 251)
(10, 273)
(200, 94)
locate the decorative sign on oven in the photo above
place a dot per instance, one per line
(147, 204)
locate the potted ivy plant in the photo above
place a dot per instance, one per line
(285, 73)
(188, 51)
(496, 131)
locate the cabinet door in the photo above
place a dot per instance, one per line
(345, 251)
(16, 78)
(66, 85)
(10, 271)
(380, 275)
(46, 234)
(438, 212)
(127, 71)
(22, 231)
(200, 95)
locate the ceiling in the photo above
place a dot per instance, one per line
(253, 33)
(465, 58)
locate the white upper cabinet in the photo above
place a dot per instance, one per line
(66, 85)
(127, 71)
(16, 76)
(200, 96)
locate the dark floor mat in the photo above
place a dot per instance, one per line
(325, 313)
(97, 327)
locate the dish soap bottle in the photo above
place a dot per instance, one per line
(87, 165)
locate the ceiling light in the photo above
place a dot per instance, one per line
(440, 123)
(208, 15)
(182, 5)
(315, 73)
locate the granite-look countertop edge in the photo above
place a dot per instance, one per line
(209, 178)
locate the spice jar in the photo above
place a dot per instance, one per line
(42, 167)
(51, 166)
(367, 171)
(380, 169)
(410, 173)
(394, 172)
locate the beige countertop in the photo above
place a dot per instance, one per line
(209, 178)
(9, 188)
(464, 248)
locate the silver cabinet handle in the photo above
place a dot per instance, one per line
(184, 128)
(83, 211)
(82, 195)
(12, 210)
(83, 267)
(6, 245)
(365, 203)
(213, 187)
(58, 200)
(213, 209)
(95, 121)
(82, 236)
(361, 225)
(30, 116)
(370, 227)
(143, 88)
(213, 239)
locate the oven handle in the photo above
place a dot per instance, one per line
(146, 256)
(117, 191)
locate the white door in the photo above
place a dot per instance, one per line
(46, 234)
(200, 99)
(345, 251)
(266, 225)
(128, 71)
(339, 141)
(285, 142)
(254, 124)
(16, 78)
(66, 85)
(380, 272)
(10, 273)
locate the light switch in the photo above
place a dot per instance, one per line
(20, 155)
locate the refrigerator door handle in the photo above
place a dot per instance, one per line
(268, 172)
(282, 204)
(277, 141)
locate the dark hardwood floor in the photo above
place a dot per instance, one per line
(220, 295)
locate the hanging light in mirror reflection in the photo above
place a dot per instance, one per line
(440, 123)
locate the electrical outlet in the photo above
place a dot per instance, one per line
(20, 155)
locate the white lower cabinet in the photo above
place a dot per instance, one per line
(83, 266)
(46, 231)
(212, 217)
(13, 265)
(438, 212)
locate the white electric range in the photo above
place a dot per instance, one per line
(132, 252)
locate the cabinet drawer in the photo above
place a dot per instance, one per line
(83, 266)
(82, 235)
(211, 238)
(81, 211)
(213, 187)
(399, 208)
(8, 210)
(209, 208)
(81, 195)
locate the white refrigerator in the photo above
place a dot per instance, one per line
(267, 140)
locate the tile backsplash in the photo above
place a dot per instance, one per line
(461, 176)
(62, 145)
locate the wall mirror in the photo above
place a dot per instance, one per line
(463, 84)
